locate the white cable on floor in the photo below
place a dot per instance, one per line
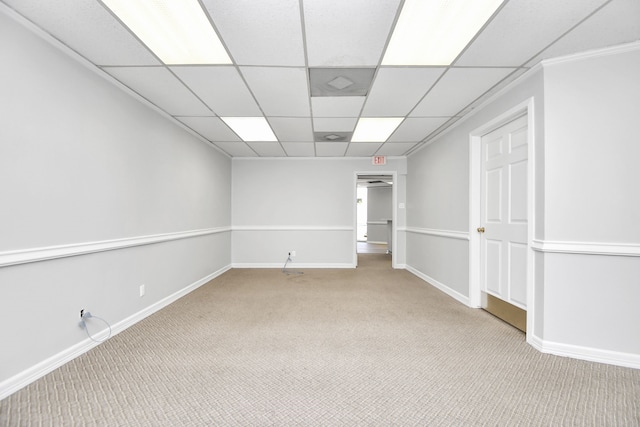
(284, 269)
(83, 325)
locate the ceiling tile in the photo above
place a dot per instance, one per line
(211, 128)
(337, 106)
(292, 128)
(267, 149)
(522, 29)
(339, 124)
(299, 149)
(221, 88)
(265, 32)
(457, 88)
(598, 32)
(266, 40)
(416, 129)
(279, 91)
(362, 149)
(396, 91)
(331, 149)
(395, 148)
(365, 24)
(174, 98)
(236, 149)
(88, 28)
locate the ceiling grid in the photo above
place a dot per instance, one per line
(278, 48)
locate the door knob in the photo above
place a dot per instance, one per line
(480, 229)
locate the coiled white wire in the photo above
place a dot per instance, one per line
(83, 325)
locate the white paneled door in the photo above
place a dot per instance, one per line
(503, 227)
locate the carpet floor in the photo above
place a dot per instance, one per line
(330, 347)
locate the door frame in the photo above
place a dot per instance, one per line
(475, 179)
(394, 213)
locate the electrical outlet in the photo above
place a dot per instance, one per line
(142, 290)
(81, 313)
(293, 254)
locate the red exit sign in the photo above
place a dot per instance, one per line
(379, 160)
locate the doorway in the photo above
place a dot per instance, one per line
(503, 222)
(374, 213)
(501, 216)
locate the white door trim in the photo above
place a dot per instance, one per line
(394, 214)
(475, 171)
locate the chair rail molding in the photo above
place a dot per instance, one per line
(451, 234)
(25, 256)
(586, 248)
(291, 228)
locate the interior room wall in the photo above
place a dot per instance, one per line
(379, 211)
(306, 205)
(100, 195)
(586, 240)
(591, 244)
(438, 191)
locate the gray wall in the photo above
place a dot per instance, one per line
(591, 243)
(100, 194)
(438, 194)
(306, 205)
(379, 210)
(586, 241)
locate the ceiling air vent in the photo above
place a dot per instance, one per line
(332, 136)
(340, 81)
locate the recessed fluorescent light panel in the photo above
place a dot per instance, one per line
(434, 32)
(251, 129)
(375, 129)
(177, 31)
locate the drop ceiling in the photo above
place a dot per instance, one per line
(278, 46)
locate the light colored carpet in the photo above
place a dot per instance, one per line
(371, 248)
(370, 346)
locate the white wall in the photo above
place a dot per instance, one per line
(438, 193)
(379, 210)
(593, 148)
(100, 194)
(306, 205)
(591, 243)
(586, 236)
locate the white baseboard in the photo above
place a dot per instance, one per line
(629, 360)
(15, 383)
(444, 288)
(291, 266)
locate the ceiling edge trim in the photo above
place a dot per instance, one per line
(519, 80)
(593, 53)
(322, 158)
(72, 54)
